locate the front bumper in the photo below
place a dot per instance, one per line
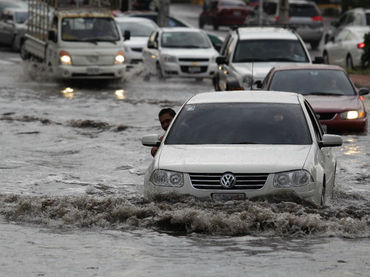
(310, 193)
(188, 69)
(348, 125)
(90, 72)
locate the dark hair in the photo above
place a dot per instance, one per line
(167, 110)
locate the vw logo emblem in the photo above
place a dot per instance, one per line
(228, 180)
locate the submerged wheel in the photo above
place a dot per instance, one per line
(323, 196)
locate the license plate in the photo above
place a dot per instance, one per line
(92, 70)
(194, 69)
(228, 196)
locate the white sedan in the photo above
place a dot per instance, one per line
(180, 52)
(244, 144)
(346, 48)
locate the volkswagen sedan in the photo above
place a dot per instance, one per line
(244, 144)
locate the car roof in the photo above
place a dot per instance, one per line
(180, 29)
(266, 33)
(249, 96)
(133, 19)
(307, 66)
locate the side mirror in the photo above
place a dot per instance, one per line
(318, 60)
(220, 60)
(258, 84)
(151, 140)
(52, 35)
(151, 44)
(126, 35)
(363, 91)
(330, 141)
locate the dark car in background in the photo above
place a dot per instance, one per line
(223, 13)
(337, 103)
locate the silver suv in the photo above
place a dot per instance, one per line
(248, 53)
(304, 16)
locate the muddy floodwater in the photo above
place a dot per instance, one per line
(71, 204)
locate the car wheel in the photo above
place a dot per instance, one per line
(325, 56)
(326, 38)
(159, 71)
(323, 196)
(201, 23)
(315, 44)
(23, 52)
(349, 62)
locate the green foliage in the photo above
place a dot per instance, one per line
(365, 58)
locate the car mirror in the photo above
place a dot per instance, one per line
(220, 60)
(318, 60)
(363, 91)
(151, 140)
(52, 36)
(331, 140)
(127, 35)
(258, 84)
(151, 44)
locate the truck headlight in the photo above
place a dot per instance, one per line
(352, 114)
(167, 178)
(169, 59)
(65, 58)
(296, 178)
(120, 58)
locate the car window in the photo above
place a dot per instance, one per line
(319, 131)
(232, 4)
(137, 29)
(172, 22)
(341, 35)
(21, 17)
(367, 15)
(302, 10)
(240, 123)
(312, 81)
(184, 40)
(269, 50)
(224, 45)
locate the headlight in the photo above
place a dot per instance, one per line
(120, 58)
(297, 178)
(65, 58)
(352, 114)
(169, 59)
(167, 178)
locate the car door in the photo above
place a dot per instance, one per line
(7, 28)
(337, 53)
(150, 52)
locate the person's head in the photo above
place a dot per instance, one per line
(165, 117)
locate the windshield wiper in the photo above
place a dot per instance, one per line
(96, 40)
(323, 93)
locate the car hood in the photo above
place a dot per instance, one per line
(258, 70)
(191, 52)
(136, 42)
(333, 103)
(234, 158)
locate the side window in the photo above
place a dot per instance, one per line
(229, 50)
(319, 132)
(341, 36)
(156, 40)
(268, 76)
(350, 19)
(358, 18)
(224, 45)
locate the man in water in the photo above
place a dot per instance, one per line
(165, 118)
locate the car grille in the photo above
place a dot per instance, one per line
(243, 181)
(193, 59)
(185, 69)
(326, 116)
(137, 49)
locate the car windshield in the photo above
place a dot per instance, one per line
(137, 29)
(269, 50)
(368, 19)
(312, 81)
(240, 123)
(184, 40)
(302, 10)
(93, 29)
(21, 17)
(232, 4)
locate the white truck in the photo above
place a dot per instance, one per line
(75, 39)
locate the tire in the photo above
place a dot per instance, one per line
(200, 23)
(315, 44)
(349, 62)
(326, 58)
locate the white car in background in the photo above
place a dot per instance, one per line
(244, 144)
(136, 32)
(180, 52)
(346, 48)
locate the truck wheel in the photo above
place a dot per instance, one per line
(23, 52)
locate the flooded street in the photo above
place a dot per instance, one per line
(71, 201)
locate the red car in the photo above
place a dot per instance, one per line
(223, 13)
(337, 102)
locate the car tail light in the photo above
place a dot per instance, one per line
(317, 18)
(360, 45)
(362, 98)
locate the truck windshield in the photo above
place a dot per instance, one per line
(92, 29)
